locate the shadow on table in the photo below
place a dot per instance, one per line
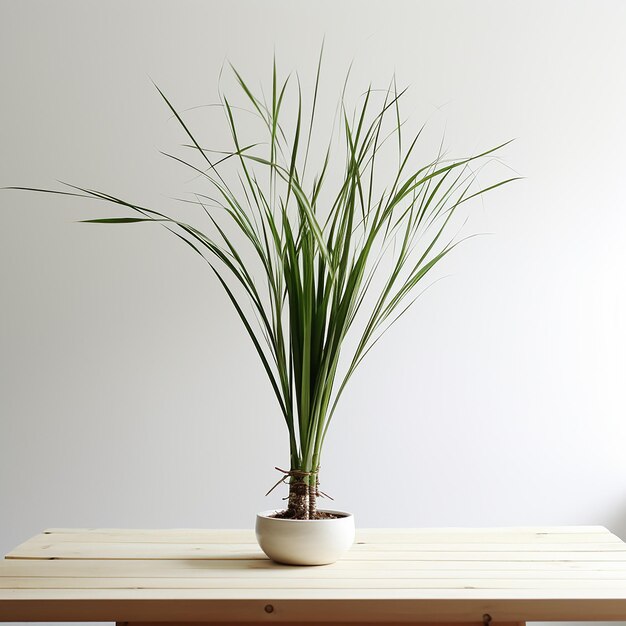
(243, 561)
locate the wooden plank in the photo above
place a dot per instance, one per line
(37, 550)
(386, 623)
(272, 571)
(311, 611)
(44, 541)
(366, 569)
(43, 547)
(556, 585)
(344, 594)
(598, 535)
(442, 530)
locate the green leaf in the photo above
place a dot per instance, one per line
(120, 220)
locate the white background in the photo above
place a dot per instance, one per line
(130, 395)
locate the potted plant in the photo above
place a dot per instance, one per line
(309, 259)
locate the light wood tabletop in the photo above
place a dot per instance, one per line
(497, 575)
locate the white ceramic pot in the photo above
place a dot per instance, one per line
(305, 542)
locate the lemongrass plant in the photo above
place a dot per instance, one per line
(338, 254)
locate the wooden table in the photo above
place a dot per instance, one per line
(394, 576)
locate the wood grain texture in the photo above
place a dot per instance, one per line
(390, 575)
(325, 624)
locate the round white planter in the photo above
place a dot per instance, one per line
(305, 542)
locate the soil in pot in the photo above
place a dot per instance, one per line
(287, 514)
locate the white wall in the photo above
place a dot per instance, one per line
(129, 394)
